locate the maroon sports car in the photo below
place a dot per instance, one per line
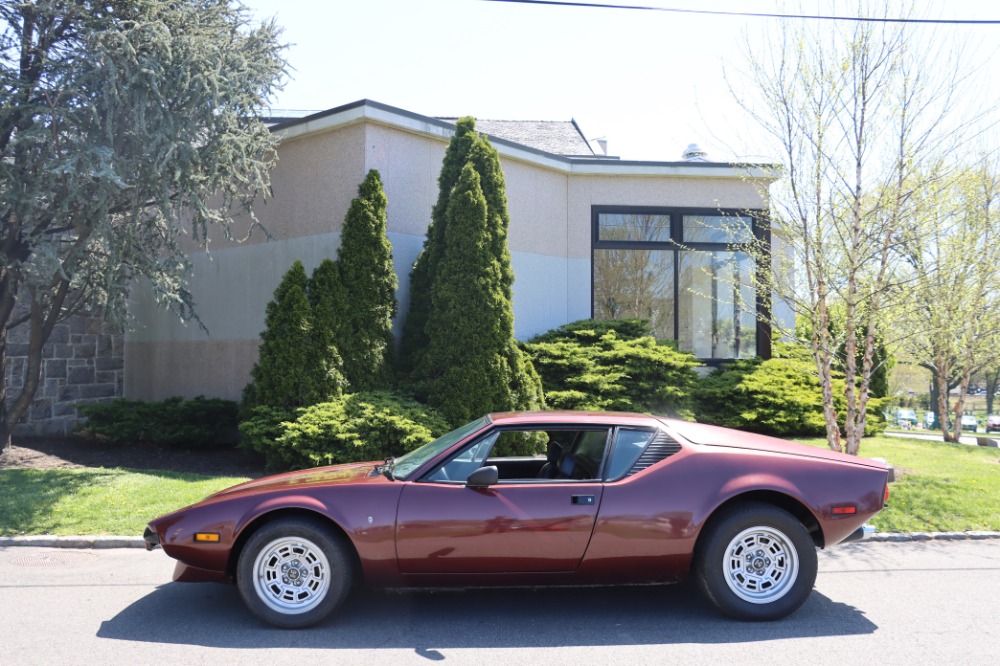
(609, 498)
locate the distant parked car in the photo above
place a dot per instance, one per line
(970, 422)
(993, 423)
(906, 418)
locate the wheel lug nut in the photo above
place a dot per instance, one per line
(284, 579)
(284, 567)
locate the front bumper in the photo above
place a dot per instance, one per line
(151, 538)
(859, 534)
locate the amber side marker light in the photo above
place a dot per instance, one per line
(845, 510)
(206, 537)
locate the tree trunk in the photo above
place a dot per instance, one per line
(4, 427)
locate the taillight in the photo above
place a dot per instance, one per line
(886, 500)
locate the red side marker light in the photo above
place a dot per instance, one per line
(845, 510)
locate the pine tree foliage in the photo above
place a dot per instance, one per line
(119, 123)
(468, 361)
(277, 378)
(366, 342)
(465, 373)
(324, 372)
(425, 268)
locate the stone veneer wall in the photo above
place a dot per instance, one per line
(83, 361)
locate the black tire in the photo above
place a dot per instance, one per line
(756, 562)
(293, 572)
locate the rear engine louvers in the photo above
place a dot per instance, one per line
(662, 447)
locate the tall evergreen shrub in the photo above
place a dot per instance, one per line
(465, 353)
(366, 342)
(325, 373)
(425, 268)
(276, 378)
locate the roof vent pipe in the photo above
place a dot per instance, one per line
(694, 153)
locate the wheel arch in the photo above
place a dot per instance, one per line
(288, 512)
(773, 498)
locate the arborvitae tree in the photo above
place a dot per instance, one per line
(276, 379)
(525, 384)
(415, 338)
(463, 366)
(472, 364)
(366, 341)
(328, 303)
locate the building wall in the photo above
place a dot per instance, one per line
(82, 362)
(316, 177)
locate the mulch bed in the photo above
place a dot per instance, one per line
(74, 452)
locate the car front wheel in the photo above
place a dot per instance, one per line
(293, 572)
(756, 562)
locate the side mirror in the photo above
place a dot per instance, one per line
(483, 477)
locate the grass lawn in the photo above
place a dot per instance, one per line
(95, 501)
(939, 487)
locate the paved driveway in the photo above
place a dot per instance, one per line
(885, 603)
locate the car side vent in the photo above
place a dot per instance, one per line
(662, 447)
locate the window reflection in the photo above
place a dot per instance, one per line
(636, 283)
(633, 227)
(717, 229)
(717, 302)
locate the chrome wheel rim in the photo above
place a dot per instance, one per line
(761, 565)
(291, 575)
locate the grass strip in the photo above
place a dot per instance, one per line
(95, 502)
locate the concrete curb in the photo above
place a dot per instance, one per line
(74, 541)
(137, 542)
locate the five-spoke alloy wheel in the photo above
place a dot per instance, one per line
(756, 562)
(294, 572)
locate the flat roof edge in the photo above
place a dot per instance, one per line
(367, 109)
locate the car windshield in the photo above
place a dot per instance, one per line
(407, 464)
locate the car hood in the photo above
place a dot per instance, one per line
(335, 475)
(699, 433)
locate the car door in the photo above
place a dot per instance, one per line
(514, 526)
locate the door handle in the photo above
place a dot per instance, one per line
(587, 500)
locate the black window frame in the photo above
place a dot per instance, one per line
(762, 236)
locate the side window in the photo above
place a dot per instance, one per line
(530, 455)
(629, 445)
(465, 463)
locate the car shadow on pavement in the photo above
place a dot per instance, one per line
(425, 621)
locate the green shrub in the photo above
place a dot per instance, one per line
(780, 396)
(199, 422)
(592, 329)
(594, 368)
(350, 428)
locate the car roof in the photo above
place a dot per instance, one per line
(573, 418)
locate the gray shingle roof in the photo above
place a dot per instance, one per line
(552, 136)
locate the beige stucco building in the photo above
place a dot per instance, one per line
(589, 235)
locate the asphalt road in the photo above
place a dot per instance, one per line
(883, 603)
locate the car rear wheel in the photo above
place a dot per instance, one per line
(293, 572)
(756, 562)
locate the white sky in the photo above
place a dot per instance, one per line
(650, 82)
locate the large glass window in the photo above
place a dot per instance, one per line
(636, 283)
(689, 272)
(718, 301)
